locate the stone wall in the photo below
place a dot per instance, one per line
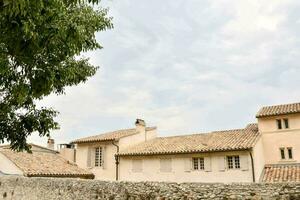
(50, 188)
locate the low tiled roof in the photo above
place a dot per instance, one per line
(42, 164)
(114, 135)
(239, 139)
(278, 110)
(281, 173)
(34, 147)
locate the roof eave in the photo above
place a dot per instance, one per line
(186, 152)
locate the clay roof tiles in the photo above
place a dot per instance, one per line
(239, 139)
(44, 164)
(281, 173)
(278, 110)
(114, 135)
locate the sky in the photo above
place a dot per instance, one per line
(185, 66)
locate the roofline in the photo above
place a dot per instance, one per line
(112, 139)
(32, 144)
(87, 176)
(273, 115)
(101, 140)
(180, 153)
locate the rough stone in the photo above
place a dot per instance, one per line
(15, 188)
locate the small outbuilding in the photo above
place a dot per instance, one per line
(42, 162)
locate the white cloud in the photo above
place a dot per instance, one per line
(186, 66)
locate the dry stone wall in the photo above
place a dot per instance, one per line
(21, 188)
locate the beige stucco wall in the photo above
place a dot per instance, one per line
(108, 171)
(273, 139)
(258, 159)
(8, 167)
(142, 136)
(151, 169)
(68, 154)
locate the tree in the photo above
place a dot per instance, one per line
(40, 45)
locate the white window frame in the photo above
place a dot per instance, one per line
(233, 162)
(98, 158)
(198, 164)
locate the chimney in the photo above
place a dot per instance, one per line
(140, 125)
(50, 143)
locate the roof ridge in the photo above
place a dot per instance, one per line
(205, 133)
(275, 105)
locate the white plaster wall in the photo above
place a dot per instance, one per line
(258, 159)
(151, 169)
(8, 167)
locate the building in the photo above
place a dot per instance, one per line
(42, 162)
(98, 153)
(266, 151)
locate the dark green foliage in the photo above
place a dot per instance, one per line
(40, 41)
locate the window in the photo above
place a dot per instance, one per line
(237, 162)
(198, 163)
(290, 153)
(286, 123)
(282, 154)
(281, 122)
(233, 162)
(279, 125)
(137, 165)
(166, 165)
(98, 157)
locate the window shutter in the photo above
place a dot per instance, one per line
(89, 157)
(137, 165)
(207, 164)
(104, 160)
(221, 162)
(244, 162)
(187, 164)
(166, 165)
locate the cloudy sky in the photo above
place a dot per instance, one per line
(185, 66)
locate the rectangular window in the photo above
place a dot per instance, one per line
(195, 164)
(230, 162)
(98, 157)
(286, 123)
(290, 153)
(233, 162)
(282, 154)
(137, 165)
(166, 165)
(279, 125)
(237, 162)
(198, 163)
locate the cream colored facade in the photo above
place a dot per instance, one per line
(215, 169)
(275, 139)
(266, 150)
(85, 153)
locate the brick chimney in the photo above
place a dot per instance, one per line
(140, 125)
(50, 143)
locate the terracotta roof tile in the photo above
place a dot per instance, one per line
(278, 110)
(114, 135)
(238, 139)
(281, 173)
(40, 164)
